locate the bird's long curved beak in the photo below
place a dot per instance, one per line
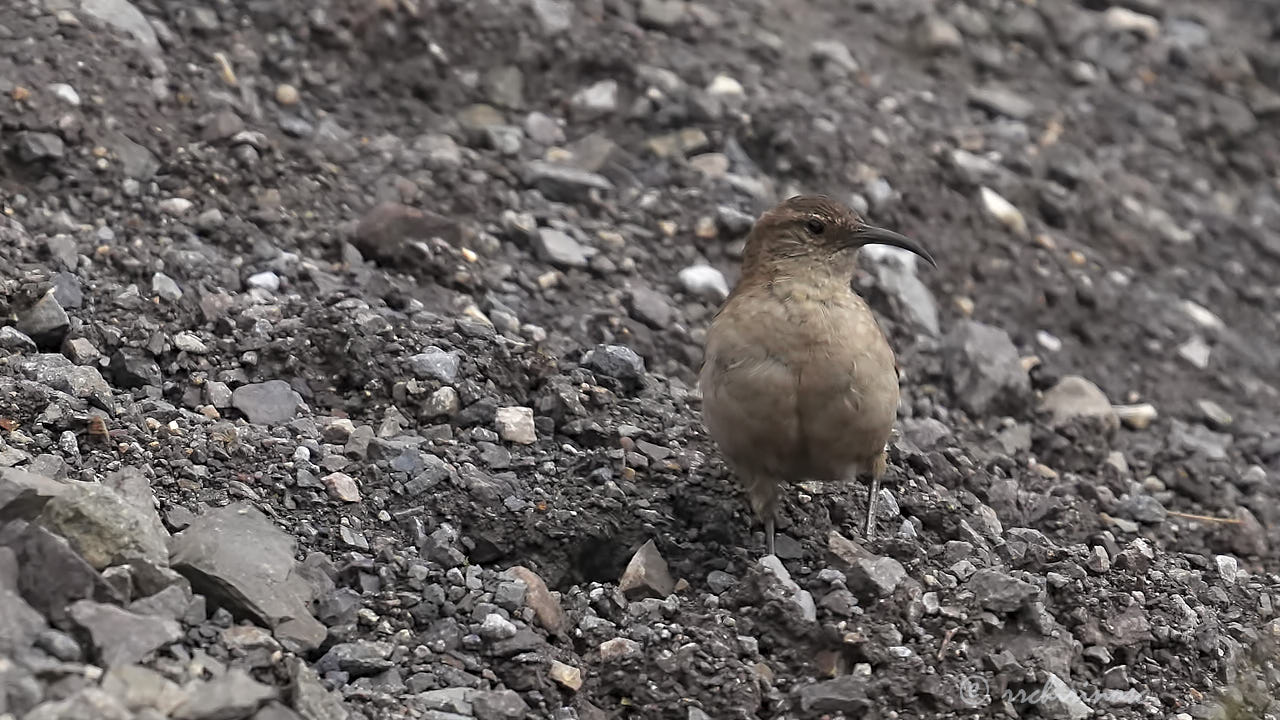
(871, 235)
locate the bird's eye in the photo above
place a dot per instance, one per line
(815, 226)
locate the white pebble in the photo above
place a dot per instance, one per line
(176, 206)
(65, 93)
(723, 85)
(1202, 315)
(268, 281)
(704, 281)
(1124, 19)
(1048, 341)
(1003, 211)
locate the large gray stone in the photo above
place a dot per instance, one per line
(23, 495)
(112, 523)
(120, 637)
(237, 558)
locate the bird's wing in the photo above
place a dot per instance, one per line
(749, 395)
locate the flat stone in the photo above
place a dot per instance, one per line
(87, 702)
(1073, 399)
(560, 249)
(1000, 592)
(119, 637)
(273, 402)
(498, 705)
(141, 688)
(875, 577)
(847, 694)
(561, 183)
(241, 560)
(232, 696)
(1001, 101)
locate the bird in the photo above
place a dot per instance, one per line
(798, 381)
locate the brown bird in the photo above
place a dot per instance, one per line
(798, 381)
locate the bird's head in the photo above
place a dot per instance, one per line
(816, 231)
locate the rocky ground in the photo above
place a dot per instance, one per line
(348, 358)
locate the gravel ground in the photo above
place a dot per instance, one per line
(348, 358)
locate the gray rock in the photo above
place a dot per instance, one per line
(171, 602)
(912, 295)
(166, 287)
(309, 697)
(662, 14)
(650, 307)
(108, 527)
(1060, 702)
(133, 368)
(1001, 101)
(875, 577)
(498, 705)
(20, 624)
(555, 16)
(276, 711)
(435, 364)
(13, 339)
(847, 694)
(834, 53)
(52, 575)
(704, 281)
(233, 696)
(986, 372)
(936, 36)
(647, 575)
(599, 98)
(122, 15)
(59, 644)
(358, 659)
(560, 249)
(1142, 508)
(61, 374)
(23, 495)
(562, 183)
(1075, 398)
(616, 361)
(37, 146)
(273, 402)
(238, 558)
(45, 322)
(141, 688)
(119, 637)
(1000, 592)
(802, 598)
(136, 161)
(87, 702)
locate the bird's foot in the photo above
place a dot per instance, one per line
(871, 506)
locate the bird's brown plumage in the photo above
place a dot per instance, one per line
(798, 381)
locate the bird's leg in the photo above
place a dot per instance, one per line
(763, 494)
(878, 467)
